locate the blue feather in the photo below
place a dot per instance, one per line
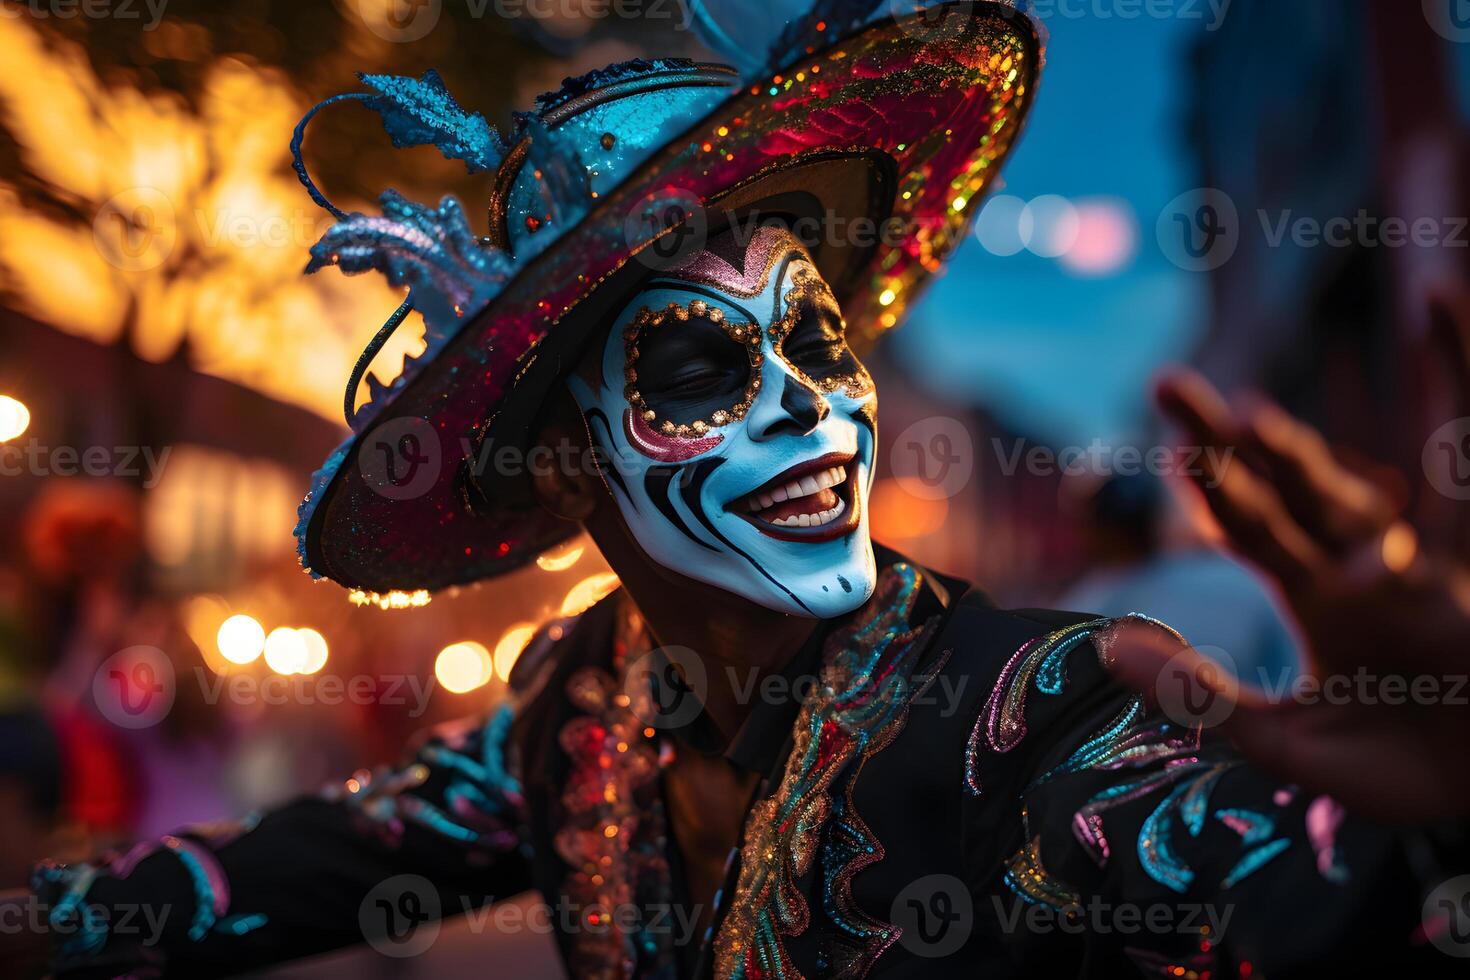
(419, 111)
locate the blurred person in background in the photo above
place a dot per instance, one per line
(1147, 553)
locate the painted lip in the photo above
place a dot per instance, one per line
(845, 492)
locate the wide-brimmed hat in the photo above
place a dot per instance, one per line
(885, 133)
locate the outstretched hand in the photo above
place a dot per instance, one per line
(1380, 718)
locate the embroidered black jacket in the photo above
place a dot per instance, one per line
(956, 790)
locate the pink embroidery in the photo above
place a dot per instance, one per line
(1324, 817)
(750, 280)
(665, 449)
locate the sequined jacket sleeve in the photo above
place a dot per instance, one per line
(1138, 846)
(322, 872)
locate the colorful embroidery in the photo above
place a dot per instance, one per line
(1324, 817)
(861, 705)
(613, 835)
(1156, 851)
(1042, 662)
(1028, 878)
(1123, 742)
(482, 804)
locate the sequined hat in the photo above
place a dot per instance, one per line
(898, 122)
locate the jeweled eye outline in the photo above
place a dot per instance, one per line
(747, 334)
(806, 286)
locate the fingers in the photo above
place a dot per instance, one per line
(1255, 519)
(1337, 507)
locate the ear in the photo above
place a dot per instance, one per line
(564, 476)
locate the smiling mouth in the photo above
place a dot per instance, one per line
(809, 502)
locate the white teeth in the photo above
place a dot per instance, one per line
(796, 489)
(813, 520)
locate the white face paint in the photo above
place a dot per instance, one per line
(740, 428)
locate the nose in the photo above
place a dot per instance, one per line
(796, 410)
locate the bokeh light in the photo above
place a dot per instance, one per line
(462, 667)
(1106, 238)
(509, 647)
(240, 639)
(15, 418)
(285, 651)
(316, 650)
(560, 559)
(587, 593)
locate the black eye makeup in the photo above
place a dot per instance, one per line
(703, 369)
(812, 338)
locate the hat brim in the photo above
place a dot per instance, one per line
(902, 123)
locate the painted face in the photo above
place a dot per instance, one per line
(740, 428)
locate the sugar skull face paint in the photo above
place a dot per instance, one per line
(740, 427)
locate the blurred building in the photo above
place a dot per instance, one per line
(1309, 113)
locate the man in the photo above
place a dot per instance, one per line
(778, 750)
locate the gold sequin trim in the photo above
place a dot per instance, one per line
(746, 334)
